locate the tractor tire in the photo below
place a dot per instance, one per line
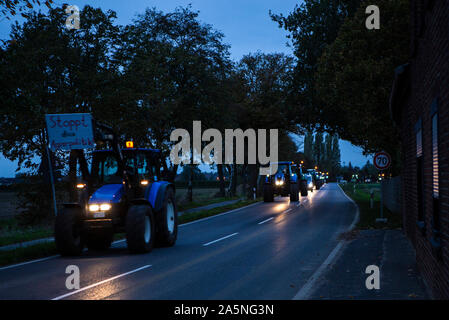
(69, 238)
(294, 192)
(140, 229)
(303, 189)
(167, 221)
(98, 241)
(268, 193)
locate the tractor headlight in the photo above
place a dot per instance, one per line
(105, 207)
(100, 207)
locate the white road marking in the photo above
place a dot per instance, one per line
(44, 259)
(231, 235)
(220, 214)
(287, 210)
(28, 262)
(310, 285)
(101, 282)
(262, 222)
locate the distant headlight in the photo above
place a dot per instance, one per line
(279, 183)
(101, 207)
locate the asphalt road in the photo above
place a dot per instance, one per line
(264, 251)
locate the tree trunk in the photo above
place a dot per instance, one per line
(190, 186)
(253, 175)
(221, 179)
(233, 185)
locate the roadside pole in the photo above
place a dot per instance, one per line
(382, 161)
(52, 180)
(381, 219)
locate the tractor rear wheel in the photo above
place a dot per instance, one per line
(69, 239)
(140, 229)
(167, 221)
(268, 193)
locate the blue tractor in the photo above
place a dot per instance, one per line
(303, 183)
(283, 182)
(124, 194)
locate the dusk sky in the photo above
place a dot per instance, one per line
(246, 25)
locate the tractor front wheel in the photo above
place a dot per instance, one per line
(140, 229)
(69, 239)
(167, 221)
(294, 192)
(303, 188)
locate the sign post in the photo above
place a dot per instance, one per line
(66, 132)
(382, 161)
(52, 181)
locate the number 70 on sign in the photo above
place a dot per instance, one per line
(382, 160)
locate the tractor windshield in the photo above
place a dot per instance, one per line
(105, 168)
(283, 168)
(139, 164)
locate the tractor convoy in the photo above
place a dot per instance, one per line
(124, 194)
(291, 179)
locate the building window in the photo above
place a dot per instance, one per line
(435, 167)
(419, 176)
(436, 227)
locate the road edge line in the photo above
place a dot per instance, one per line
(308, 288)
(220, 239)
(220, 214)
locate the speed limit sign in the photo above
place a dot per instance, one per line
(382, 160)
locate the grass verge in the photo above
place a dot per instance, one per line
(11, 232)
(188, 217)
(361, 195)
(22, 254)
(196, 204)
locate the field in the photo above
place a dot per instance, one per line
(8, 204)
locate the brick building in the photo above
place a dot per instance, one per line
(420, 107)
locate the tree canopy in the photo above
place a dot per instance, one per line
(355, 75)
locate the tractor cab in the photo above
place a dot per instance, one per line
(139, 166)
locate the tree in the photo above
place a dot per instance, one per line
(308, 148)
(173, 67)
(260, 85)
(355, 74)
(312, 26)
(318, 150)
(336, 154)
(46, 68)
(10, 8)
(188, 171)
